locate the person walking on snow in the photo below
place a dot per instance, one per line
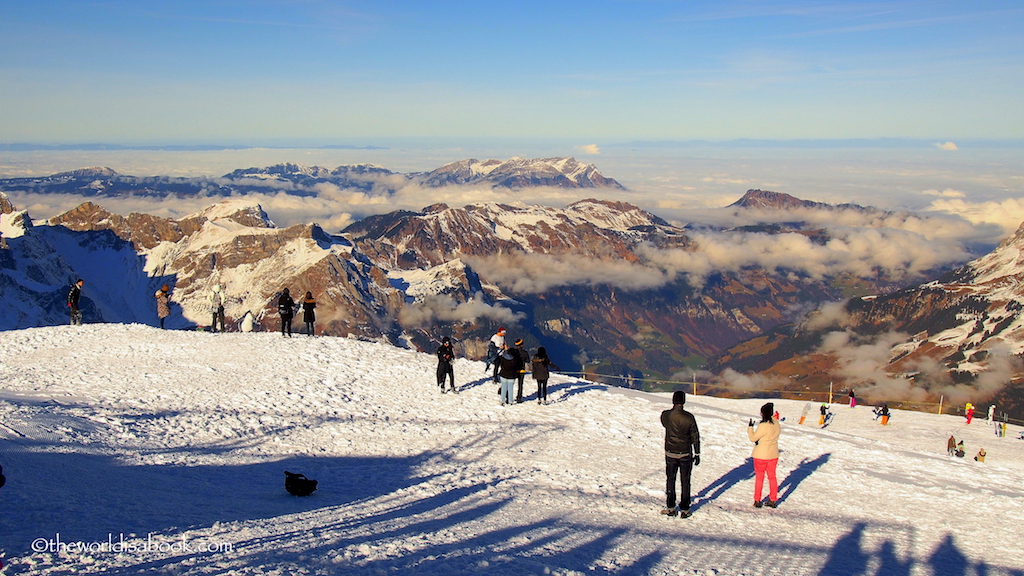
(308, 313)
(682, 453)
(541, 368)
(853, 399)
(286, 309)
(766, 455)
(217, 308)
(445, 357)
(970, 413)
(509, 365)
(525, 357)
(163, 303)
(73, 296)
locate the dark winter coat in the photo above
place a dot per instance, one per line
(445, 354)
(524, 356)
(681, 435)
(286, 306)
(509, 364)
(308, 315)
(74, 295)
(541, 368)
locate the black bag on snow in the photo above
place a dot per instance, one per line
(298, 485)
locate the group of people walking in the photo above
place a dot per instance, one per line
(682, 453)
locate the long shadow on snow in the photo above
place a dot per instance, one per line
(799, 474)
(744, 471)
(85, 497)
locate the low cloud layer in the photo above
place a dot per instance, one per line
(436, 308)
(862, 362)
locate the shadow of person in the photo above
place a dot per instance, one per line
(847, 557)
(799, 474)
(744, 471)
(948, 560)
(889, 564)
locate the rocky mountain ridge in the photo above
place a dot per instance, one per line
(301, 180)
(605, 286)
(961, 337)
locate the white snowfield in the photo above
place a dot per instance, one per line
(131, 450)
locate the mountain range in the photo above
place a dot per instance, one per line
(300, 180)
(607, 287)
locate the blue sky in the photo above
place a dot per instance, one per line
(601, 71)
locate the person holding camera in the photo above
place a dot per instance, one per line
(766, 455)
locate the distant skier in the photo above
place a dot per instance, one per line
(286, 309)
(853, 399)
(766, 455)
(217, 308)
(883, 413)
(682, 453)
(541, 369)
(445, 357)
(951, 445)
(970, 413)
(960, 450)
(525, 357)
(73, 296)
(309, 313)
(824, 413)
(163, 303)
(992, 413)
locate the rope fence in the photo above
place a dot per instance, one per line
(709, 389)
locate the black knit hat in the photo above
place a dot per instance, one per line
(679, 397)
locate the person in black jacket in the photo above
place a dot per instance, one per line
(309, 313)
(542, 366)
(682, 453)
(445, 356)
(73, 296)
(509, 365)
(286, 309)
(525, 357)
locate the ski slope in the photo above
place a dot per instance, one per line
(152, 451)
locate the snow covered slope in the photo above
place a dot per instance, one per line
(171, 445)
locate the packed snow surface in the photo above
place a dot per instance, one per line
(130, 450)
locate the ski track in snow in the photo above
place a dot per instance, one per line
(168, 438)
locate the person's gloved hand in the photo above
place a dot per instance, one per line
(696, 460)
(750, 422)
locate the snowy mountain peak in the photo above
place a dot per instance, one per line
(521, 172)
(283, 169)
(240, 210)
(91, 172)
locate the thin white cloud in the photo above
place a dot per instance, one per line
(946, 146)
(590, 149)
(947, 193)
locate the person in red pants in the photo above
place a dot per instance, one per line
(766, 455)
